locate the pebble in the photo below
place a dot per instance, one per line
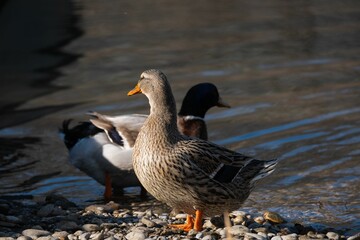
(355, 237)
(67, 225)
(90, 227)
(254, 236)
(332, 236)
(35, 233)
(135, 236)
(62, 235)
(292, 236)
(238, 230)
(148, 222)
(26, 238)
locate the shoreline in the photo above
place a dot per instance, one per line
(55, 217)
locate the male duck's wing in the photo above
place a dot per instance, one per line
(121, 130)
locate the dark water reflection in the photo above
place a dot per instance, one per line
(289, 69)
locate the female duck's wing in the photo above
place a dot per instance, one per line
(121, 130)
(221, 164)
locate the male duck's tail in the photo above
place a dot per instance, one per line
(71, 136)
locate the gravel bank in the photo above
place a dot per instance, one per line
(54, 217)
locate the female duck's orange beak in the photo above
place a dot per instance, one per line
(136, 90)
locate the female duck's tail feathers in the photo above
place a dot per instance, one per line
(256, 170)
(72, 135)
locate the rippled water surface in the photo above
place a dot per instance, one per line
(290, 71)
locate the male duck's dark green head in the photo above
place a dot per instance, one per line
(199, 99)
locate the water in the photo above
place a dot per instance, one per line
(290, 71)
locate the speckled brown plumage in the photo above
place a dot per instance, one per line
(187, 173)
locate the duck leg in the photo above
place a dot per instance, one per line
(190, 224)
(108, 187)
(187, 226)
(198, 220)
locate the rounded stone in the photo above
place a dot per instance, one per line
(90, 227)
(292, 236)
(137, 235)
(24, 238)
(62, 235)
(332, 236)
(148, 222)
(238, 230)
(254, 236)
(35, 233)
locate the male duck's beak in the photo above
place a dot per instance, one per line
(221, 103)
(136, 90)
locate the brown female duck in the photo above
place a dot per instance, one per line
(189, 174)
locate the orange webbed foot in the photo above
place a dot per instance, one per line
(187, 226)
(190, 223)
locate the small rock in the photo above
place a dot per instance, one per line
(60, 235)
(160, 222)
(67, 225)
(7, 238)
(332, 236)
(239, 219)
(212, 236)
(259, 220)
(208, 224)
(59, 200)
(97, 236)
(181, 216)
(85, 236)
(273, 217)
(218, 221)
(292, 236)
(72, 237)
(148, 222)
(137, 235)
(253, 236)
(199, 235)
(355, 237)
(46, 238)
(24, 238)
(276, 238)
(237, 213)
(78, 233)
(91, 227)
(35, 233)
(261, 230)
(320, 236)
(46, 210)
(238, 230)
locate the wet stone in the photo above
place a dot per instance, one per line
(62, 235)
(24, 238)
(137, 235)
(332, 236)
(35, 233)
(90, 227)
(253, 236)
(7, 238)
(67, 225)
(217, 221)
(238, 230)
(46, 238)
(46, 210)
(355, 237)
(292, 236)
(148, 222)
